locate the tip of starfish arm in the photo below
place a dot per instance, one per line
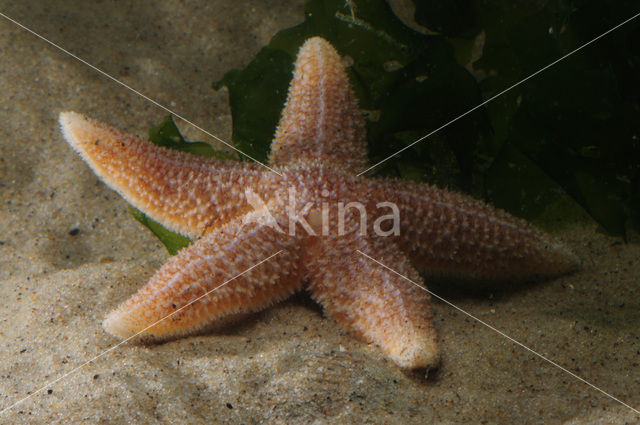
(69, 121)
(125, 325)
(559, 261)
(573, 262)
(115, 324)
(317, 41)
(417, 357)
(76, 129)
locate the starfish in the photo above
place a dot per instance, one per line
(318, 149)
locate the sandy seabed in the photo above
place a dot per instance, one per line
(70, 252)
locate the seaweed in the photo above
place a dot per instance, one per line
(569, 135)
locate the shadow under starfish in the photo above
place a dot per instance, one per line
(318, 149)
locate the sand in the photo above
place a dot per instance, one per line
(70, 252)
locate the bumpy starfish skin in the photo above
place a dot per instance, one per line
(318, 149)
(321, 119)
(205, 265)
(186, 192)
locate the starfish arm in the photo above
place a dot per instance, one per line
(369, 300)
(184, 192)
(452, 235)
(222, 264)
(321, 120)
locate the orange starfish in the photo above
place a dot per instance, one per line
(318, 149)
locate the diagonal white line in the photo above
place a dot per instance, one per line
(501, 333)
(501, 93)
(91, 360)
(137, 92)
